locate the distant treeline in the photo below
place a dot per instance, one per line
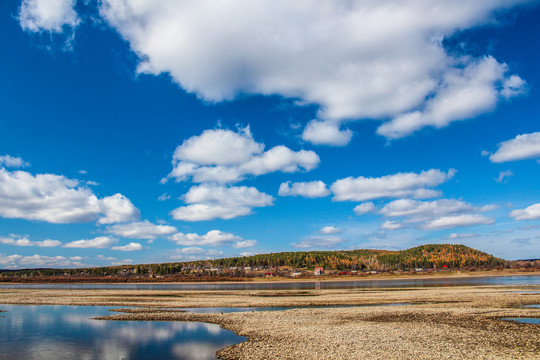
(437, 256)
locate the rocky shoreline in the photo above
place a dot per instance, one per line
(440, 323)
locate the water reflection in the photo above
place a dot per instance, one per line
(319, 285)
(275, 308)
(66, 332)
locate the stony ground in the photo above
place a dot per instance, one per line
(441, 323)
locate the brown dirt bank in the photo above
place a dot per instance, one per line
(443, 323)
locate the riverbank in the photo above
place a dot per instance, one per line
(457, 322)
(277, 279)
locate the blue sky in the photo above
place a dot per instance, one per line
(154, 131)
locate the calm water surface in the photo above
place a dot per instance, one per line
(524, 320)
(403, 283)
(66, 332)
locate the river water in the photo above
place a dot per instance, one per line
(67, 332)
(311, 285)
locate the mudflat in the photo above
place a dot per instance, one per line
(430, 323)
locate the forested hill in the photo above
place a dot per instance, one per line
(425, 256)
(437, 256)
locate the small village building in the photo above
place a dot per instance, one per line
(318, 271)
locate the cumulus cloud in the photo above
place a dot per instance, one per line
(391, 225)
(141, 230)
(318, 242)
(330, 230)
(455, 236)
(225, 156)
(195, 253)
(48, 15)
(525, 146)
(326, 133)
(529, 213)
(312, 189)
(240, 244)
(512, 86)
(422, 210)
(57, 199)
(364, 208)
(390, 186)
(129, 247)
(100, 242)
(464, 93)
(18, 261)
(24, 241)
(118, 208)
(13, 162)
(215, 201)
(211, 238)
(447, 222)
(437, 214)
(122, 262)
(356, 60)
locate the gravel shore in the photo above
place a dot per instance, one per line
(440, 323)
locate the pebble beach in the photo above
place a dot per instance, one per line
(422, 323)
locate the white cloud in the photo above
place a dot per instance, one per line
(118, 208)
(141, 230)
(357, 60)
(504, 175)
(391, 225)
(240, 244)
(318, 242)
(36, 261)
(219, 147)
(512, 86)
(364, 208)
(211, 238)
(109, 258)
(14, 162)
(312, 189)
(191, 250)
(525, 146)
(390, 186)
(122, 262)
(100, 242)
(23, 241)
(422, 210)
(57, 199)
(447, 222)
(195, 253)
(529, 213)
(455, 236)
(326, 133)
(225, 156)
(246, 253)
(463, 94)
(164, 197)
(129, 247)
(214, 201)
(48, 15)
(330, 230)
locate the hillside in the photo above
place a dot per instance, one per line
(434, 256)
